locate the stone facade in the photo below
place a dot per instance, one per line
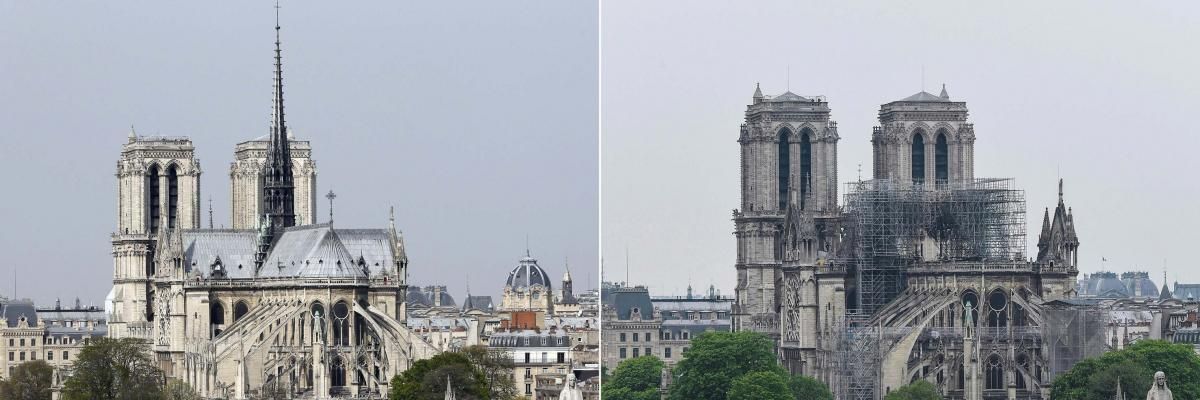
(935, 298)
(636, 324)
(55, 335)
(245, 185)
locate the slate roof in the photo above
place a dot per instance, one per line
(624, 300)
(1184, 291)
(482, 303)
(306, 251)
(416, 297)
(925, 96)
(529, 339)
(11, 312)
(787, 96)
(526, 274)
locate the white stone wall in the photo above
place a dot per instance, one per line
(246, 186)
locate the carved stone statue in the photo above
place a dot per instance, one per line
(1159, 390)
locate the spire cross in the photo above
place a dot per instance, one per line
(330, 196)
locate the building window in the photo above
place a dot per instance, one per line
(11, 355)
(685, 335)
(941, 156)
(622, 351)
(562, 357)
(805, 163)
(528, 373)
(635, 336)
(32, 355)
(22, 342)
(527, 358)
(50, 355)
(647, 336)
(544, 358)
(918, 157)
(152, 180)
(783, 153)
(528, 389)
(10, 342)
(666, 352)
(649, 352)
(22, 355)
(995, 373)
(635, 353)
(33, 342)
(65, 357)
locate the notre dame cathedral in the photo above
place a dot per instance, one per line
(279, 300)
(920, 272)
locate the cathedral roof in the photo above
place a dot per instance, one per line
(320, 245)
(926, 96)
(11, 312)
(788, 96)
(526, 274)
(482, 303)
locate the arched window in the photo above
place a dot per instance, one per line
(941, 158)
(785, 166)
(997, 309)
(805, 162)
(973, 299)
(994, 371)
(341, 324)
(918, 157)
(152, 188)
(337, 374)
(172, 195)
(150, 306)
(216, 318)
(239, 310)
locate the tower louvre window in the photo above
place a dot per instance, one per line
(152, 188)
(941, 159)
(918, 158)
(785, 166)
(805, 162)
(172, 195)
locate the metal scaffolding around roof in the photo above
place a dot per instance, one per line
(892, 226)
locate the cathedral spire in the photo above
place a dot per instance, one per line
(278, 191)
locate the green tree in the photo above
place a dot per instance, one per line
(715, 359)
(637, 378)
(1096, 378)
(179, 390)
(28, 381)
(497, 367)
(109, 369)
(761, 385)
(919, 390)
(426, 379)
(808, 388)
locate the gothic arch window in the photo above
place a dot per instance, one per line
(805, 162)
(341, 324)
(216, 318)
(337, 374)
(785, 165)
(970, 297)
(994, 371)
(997, 309)
(153, 197)
(150, 306)
(941, 158)
(239, 310)
(918, 157)
(172, 195)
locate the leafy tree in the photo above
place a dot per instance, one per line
(919, 390)
(715, 359)
(809, 388)
(426, 379)
(28, 381)
(762, 385)
(109, 369)
(176, 389)
(637, 378)
(497, 367)
(1096, 378)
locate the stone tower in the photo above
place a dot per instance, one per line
(245, 177)
(787, 142)
(924, 138)
(158, 181)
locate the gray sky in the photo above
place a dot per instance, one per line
(476, 120)
(1102, 94)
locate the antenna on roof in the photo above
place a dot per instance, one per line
(627, 265)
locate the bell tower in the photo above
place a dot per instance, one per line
(158, 188)
(924, 139)
(787, 142)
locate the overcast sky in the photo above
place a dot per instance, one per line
(1103, 94)
(476, 120)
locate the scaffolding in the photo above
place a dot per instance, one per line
(1075, 329)
(892, 226)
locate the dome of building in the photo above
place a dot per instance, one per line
(527, 274)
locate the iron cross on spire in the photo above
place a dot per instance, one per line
(330, 196)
